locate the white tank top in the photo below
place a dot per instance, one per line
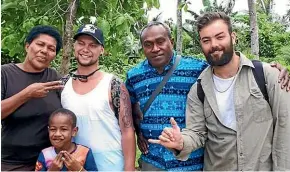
(98, 127)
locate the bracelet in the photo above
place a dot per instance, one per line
(81, 169)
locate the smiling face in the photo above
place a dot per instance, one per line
(61, 131)
(217, 43)
(40, 52)
(157, 46)
(87, 50)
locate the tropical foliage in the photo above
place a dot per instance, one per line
(120, 21)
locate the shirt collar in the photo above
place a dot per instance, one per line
(244, 61)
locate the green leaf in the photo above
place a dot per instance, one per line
(22, 4)
(129, 18)
(105, 26)
(156, 4)
(124, 27)
(185, 7)
(113, 3)
(120, 20)
(9, 5)
(27, 26)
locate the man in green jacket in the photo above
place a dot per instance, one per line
(239, 129)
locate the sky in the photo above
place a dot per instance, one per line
(168, 8)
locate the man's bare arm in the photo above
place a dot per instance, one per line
(127, 130)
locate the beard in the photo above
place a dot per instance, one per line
(224, 59)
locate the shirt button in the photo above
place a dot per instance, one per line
(241, 154)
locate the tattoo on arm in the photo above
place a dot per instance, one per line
(127, 110)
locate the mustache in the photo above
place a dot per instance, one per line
(215, 49)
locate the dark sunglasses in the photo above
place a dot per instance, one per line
(83, 78)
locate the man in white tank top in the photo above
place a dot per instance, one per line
(88, 94)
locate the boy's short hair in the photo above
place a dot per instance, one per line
(63, 111)
(48, 30)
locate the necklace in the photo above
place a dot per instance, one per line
(83, 78)
(215, 87)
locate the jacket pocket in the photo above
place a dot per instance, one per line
(260, 107)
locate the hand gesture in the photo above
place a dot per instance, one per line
(57, 163)
(170, 137)
(38, 90)
(142, 143)
(70, 162)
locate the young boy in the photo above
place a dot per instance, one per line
(64, 155)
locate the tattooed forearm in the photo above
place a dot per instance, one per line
(126, 110)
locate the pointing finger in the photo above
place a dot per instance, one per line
(52, 83)
(56, 87)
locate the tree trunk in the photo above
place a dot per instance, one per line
(68, 37)
(254, 28)
(179, 28)
(263, 6)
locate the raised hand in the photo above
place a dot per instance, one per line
(57, 163)
(38, 90)
(71, 163)
(170, 137)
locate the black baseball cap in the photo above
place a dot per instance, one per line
(91, 30)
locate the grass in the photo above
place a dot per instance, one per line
(138, 154)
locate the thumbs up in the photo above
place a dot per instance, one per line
(170, 137)
(174, 124)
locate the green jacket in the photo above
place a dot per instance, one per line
(262, 139)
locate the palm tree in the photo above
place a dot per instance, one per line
(254, 28)
(179, 28)
(266, 6)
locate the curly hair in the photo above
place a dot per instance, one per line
(42, 29)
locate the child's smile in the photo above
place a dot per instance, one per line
(61, 132)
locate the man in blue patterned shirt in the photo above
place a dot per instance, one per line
(143, 79)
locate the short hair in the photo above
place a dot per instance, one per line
(48, 30)
(63, 111)
(156, 23)
(208, 18)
